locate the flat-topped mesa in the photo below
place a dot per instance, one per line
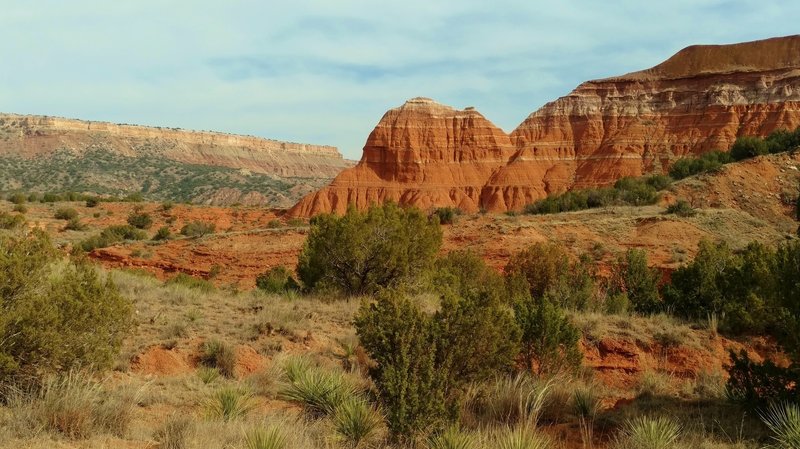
(422, 154)
(29, 136)
(701, 99)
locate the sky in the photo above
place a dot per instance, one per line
(324, 72)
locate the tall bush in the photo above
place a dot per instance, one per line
(363, 252)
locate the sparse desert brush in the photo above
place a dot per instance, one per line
(75, 224)
(277, 279)
(356, 422)
(111, 235)
(653, 383)
(163, 233)
(11, 221)
(455, 438)
(318, 390)
(229, 404)
(507, 401)
(198, 229)
(175, 432)
(520, 438)
(21, 208)
(681, 208)
(208, 374)
(220, 355)
(649, 433)
(65, 213)
(192, 282)
(270, 437)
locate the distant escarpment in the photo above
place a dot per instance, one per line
(703, 98)
(49, 153)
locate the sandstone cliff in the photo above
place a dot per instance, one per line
(38, 136)
(700, 99)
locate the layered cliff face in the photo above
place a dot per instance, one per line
(206, 167)
(700, 99)
(422, 153)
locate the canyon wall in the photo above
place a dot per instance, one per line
(39, 136)
(428, 155)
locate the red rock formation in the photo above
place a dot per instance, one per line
(700, 99)
(421, 153)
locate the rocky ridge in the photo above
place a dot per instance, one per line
(430, 155)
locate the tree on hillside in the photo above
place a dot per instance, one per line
(363, 252)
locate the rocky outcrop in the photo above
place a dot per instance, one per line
(422, 153)
(702, 98)
(30, 137)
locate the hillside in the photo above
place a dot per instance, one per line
(55, 154)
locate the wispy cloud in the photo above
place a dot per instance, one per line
(322, 71)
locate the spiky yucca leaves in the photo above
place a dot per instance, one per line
(784, 422)
(229, 404)
(356, 422)
(586, 405)
(509, 400)
(455, 438)
(649, 433)
(265, 438)
(319, 391)
(521, 438)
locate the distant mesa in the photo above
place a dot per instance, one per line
(428, 155)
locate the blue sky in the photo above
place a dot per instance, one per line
(326, 71)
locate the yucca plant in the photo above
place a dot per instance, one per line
(521, 438)
(649, 433)
(295, 367)
(229, 404)
(455, 438)
(784, 422)
(265, 438)
(320, 392)
(207, 374)
(356, 422)
(586, 405)
(511, 400)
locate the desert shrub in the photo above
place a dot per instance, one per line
(747, 147)
(220, 355)
(135, 197)
(447, 215)
(163, 233)
(704, 163)
(198, 229)
(229, 404)
(786, 270)
(756, 384)
(649, 433)
(174, 433)
(738, 288)
(783, 420)
(140, 220)
(356, 422)
(271, 437)
(18, 198)
(92, 201)
(295, 222)
(520, 438)
(363, 252)
(34, 197)
(53, 320)
(454, 438)
(277, 280)
(782, 140)
(617, 304)
(274, 224)
(541, 264)
(21, 208)
(319, 391)
(549, 339)
(166, 206)
(111, 235)
(50, 197)
(412, 384)
(11, 221)
(192, 282)
(681, 208)
(638, 191)
(506, 400)
(631, 276)
(75, 224)
(65, 213)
